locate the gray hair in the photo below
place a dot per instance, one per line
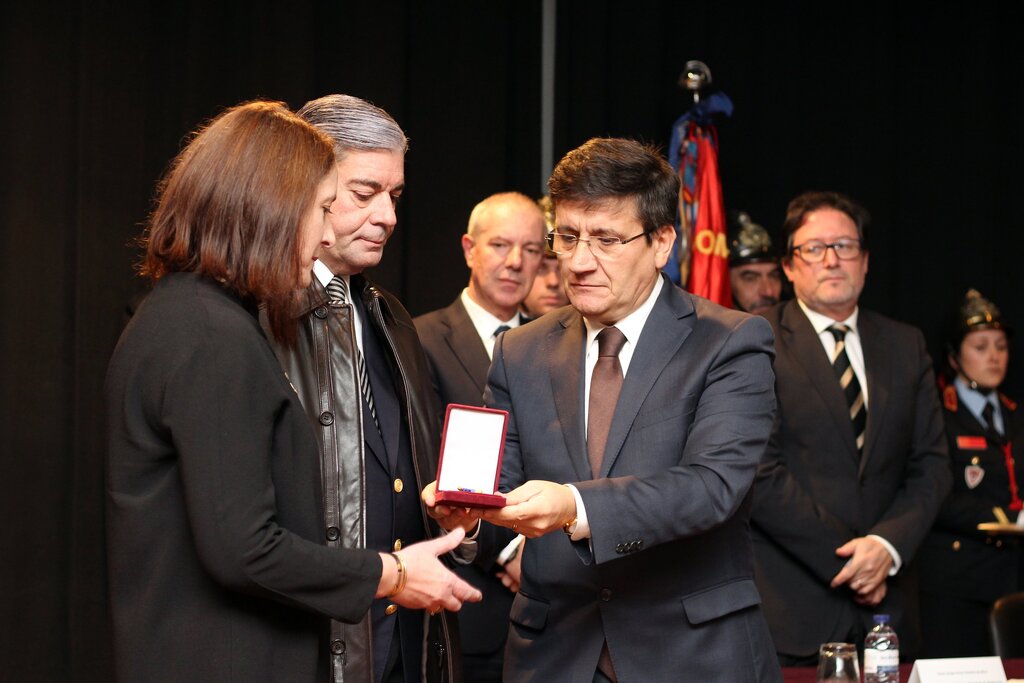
(355, 124)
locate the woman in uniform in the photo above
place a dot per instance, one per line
(964, 569)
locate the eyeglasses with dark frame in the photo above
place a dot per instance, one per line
(814, 251)
(564, 244)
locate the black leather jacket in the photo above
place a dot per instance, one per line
(322, 368)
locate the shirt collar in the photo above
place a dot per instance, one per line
(484, 322)
(974, 400)
(633, 324)
(821, 322)
(323, 273)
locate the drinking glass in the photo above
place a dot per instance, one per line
(837, 663)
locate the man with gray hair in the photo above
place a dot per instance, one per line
(360, 372)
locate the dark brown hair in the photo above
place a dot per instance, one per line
(231, 204)
(615, 168)
(799, 207)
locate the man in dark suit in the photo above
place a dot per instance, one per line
(635, 500)
(856, 467)
(503, 247)
(362, 377)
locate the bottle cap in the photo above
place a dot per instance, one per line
(881, 618)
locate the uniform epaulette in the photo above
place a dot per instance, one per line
(949, 398)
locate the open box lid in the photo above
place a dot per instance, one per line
(472, 447)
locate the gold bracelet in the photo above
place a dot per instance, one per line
(570, 527)
(402, 576)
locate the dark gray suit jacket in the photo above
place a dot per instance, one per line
(814, 493)
(458, 359)
(668, 579)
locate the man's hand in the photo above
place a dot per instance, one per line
(511, 574)
(429, 584)
(873, 598)
(447, 517)
(535, 508)
(867, 568)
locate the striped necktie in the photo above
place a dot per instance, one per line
(849, 384)
(337, 291)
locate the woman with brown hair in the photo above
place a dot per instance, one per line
(217, 564)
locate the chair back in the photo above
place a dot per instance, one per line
(1006, 625)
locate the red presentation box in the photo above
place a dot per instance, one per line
(472, 446)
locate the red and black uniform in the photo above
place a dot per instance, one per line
(963, 570)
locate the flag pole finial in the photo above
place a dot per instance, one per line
(696, 76)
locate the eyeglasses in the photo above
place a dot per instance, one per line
(607, 246)
(815, 250)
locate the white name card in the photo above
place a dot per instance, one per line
(958, 670)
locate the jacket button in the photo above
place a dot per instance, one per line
(326, 418)
(333, 533)
(398, 544)
(338, 647)
(399, 486)
(320, 312)
(390, 609)
(640, 544)
(619, 548)
(999, 543)
(606, 594)
(956, 545)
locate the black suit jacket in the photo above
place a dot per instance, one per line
(458, 369)
(957, 559)
(814, 492)
(217, 564)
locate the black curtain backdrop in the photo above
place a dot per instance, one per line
(912, 113)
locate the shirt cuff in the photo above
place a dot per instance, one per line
(897, 562)
(582, 525)
(509, 551)
(1020, 518)
(466, 551)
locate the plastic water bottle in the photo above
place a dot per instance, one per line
(881, 653)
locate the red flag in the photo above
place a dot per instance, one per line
(709, 265)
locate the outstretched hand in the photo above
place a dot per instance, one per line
(536, 508)
(429, 584)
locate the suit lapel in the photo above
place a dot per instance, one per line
(464, 342)
(669, 324)
(806, 352)
(878, 367)
(565, 358)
